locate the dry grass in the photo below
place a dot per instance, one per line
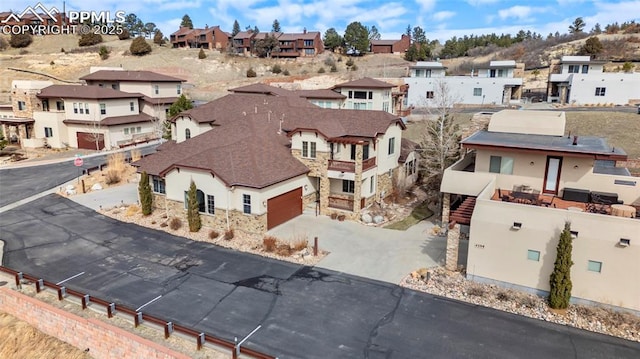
(619, 128)
(116, 168)
(132, 210)
(229, 234)
(269, 243)
(213, 234)
(175, 223)
(136, 154)
(19, 340)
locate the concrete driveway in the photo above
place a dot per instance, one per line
(382, 254)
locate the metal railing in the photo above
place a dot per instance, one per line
(139, 317)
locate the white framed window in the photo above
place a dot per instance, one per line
(86, 108)
(178, 89)
(48, 132)
(246, 203)
(22, 105)
(477, 91)
(429, 94)
(156, 89)
(126, 130)
(308, 149)
(574, 69)
(498, 164)
(132, 106)
(158, 184)
(372, 185)
(533, 255)
(103, 109)
(211, 204)
(594, 266)
(75, 107)
(385, 106)
(392, 146)
(138, 129)
(600, 91)
(187, 133)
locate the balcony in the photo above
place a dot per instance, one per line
(342, 202)
(350, 166)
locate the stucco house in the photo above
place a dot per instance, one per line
(517, 185)
(582, 81)
(259, 159)
(366, 94)
(499, 83)
(115, 109)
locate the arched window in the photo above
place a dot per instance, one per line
(201, 203)
(187, 134)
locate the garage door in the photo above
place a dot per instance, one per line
(87, 141)
(284, 207)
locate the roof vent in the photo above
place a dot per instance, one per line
(575, 140)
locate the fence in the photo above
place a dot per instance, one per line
(200, 338)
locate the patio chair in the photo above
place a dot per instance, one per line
(504, 197)
(546, 202)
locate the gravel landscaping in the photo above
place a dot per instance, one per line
(454, 285)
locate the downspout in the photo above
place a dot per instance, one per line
(228, 199)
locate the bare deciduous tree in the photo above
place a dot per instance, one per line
(439, 147)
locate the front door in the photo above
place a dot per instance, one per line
(552, 175)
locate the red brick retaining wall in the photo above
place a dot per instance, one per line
(103, 340)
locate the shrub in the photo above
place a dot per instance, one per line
(229, 234)
(329, 61)
(528, 302)
(52, 63)
(476, 290)
(131, 210)
(158, 38)
(321, 70)
(163, 224)
(340, 59)
(349, 62)
(62, 50)
(3, 43)
(354, 67)
(20, 40)
(286, 72)
(124, 34)
(334, 68)
(503, 296)
(276, 69)
(283, 250)
(269, 243)
(175, 223)
(139, 46)
(103, 52)
(193, 213)
(560, 279)
(89, 39)
(251, 72)
(23, 52)
(213, 234)
(299, 244)
(112, 177)
(144, 191)
(201, 54)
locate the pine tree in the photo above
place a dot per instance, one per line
(201, 54)
(186, 21)
(193, 214)
(236, 28)
(158, 38)
(144, 191)
(276, 26)
(560, 280)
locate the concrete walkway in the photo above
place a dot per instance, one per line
(383, 254)
(108, 197)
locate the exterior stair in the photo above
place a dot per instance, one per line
(462, 214)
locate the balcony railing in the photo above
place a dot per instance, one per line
(341, 203)
(350, 166)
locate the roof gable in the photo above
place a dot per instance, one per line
(133, 76)
(365, 82)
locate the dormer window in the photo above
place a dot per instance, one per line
(187, 133)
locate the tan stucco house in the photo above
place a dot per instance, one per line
(259, 158)
(516, 186)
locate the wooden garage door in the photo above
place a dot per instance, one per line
(284, 207)
(87, 141)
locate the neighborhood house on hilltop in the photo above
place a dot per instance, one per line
(259, 157)
(582, 81)
(517, 185)
(115, 108)
(211, 38)
(498, 84)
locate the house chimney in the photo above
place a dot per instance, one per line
(575, 140)
(304, 30)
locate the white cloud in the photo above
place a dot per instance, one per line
(426, 5)
(518, 11)
(608, 13)
(443, 15)
(477, 3)
(169, 26)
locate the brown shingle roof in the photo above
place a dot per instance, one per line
(182, 31)
(365, 82)
(123, 120)
(133, 76)
(406, 147)
(159, 100)
(326, 94)
(249, 146)
(244, 35)
(383, 42)
(261, 89)
(84, 92)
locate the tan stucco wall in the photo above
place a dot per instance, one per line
(497, 252)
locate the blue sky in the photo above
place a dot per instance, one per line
(441, 19)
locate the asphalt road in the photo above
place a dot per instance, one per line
(304, 312)
(19, 183)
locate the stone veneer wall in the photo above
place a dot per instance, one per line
(32, 103)
(250, 223)
(446, 208)
(385, 183)
(453, 242)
